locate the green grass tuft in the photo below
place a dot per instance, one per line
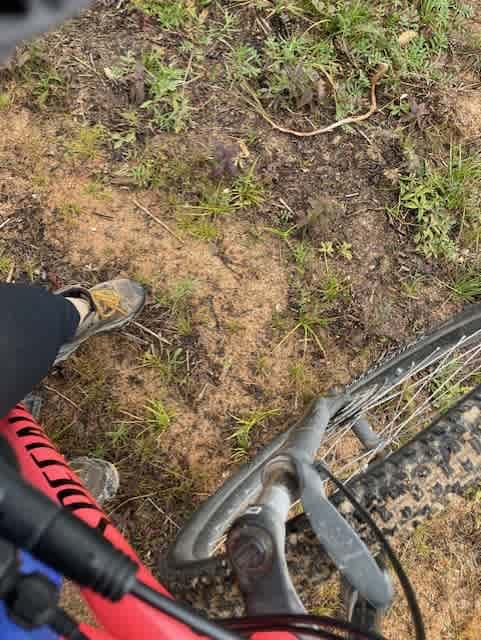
(444, 204)
(245, 424)
(158, 415)
(86, 143)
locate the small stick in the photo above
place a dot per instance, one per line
(149, 331)
(60, 395)
(103, 215)
(162, 224)
(256, 104)
(10, 274)
(5, 222)
(202, 393)
(137, 339)
(131, 415)
(160, 510)
(122, 504)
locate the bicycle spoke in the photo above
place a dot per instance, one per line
(414, 396)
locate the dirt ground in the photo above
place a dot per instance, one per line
(261, 235)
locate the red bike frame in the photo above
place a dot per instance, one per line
(47, 470)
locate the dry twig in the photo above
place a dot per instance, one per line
(61, 395)
(255, 103)
(157, 220)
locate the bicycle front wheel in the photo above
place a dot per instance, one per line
(401, 396)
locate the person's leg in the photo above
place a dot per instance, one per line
(39, 329)
(34, 324)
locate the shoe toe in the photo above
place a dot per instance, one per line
(131, 293)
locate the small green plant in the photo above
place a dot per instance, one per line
(422, 541)
(170, 367)
(124, 67)
(178, 295)
(121, 435)
(345, 250)
(86, 143)
(302, 254)
(158, 415)
(177, 301)
(199, 228)
(328, 597)
(293, 67)
(327, 250)
(244, 62)
(39, 77)
(183, 324)
(6, 101)
(412, 288)
(449, 384)
(283, 234)
(443, 200)
(5, 266)
(216, 201)
(302, 378)
(170, 15)
(244, 426)
(467, 285)
(46, 87)
(333, 288)
(308, 323)
(98, 190)
(122, 140)
(167, 102)
(68, 212)
(247, 190)
(147, 174)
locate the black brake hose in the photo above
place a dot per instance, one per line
(181, 612)
(401, 574)
(316, 626)
(286, 628)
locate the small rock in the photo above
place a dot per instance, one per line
(406, 37)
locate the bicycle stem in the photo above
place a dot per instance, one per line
(256, 542)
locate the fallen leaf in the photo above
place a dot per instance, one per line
(406, 37)
(392, 175)
(245, 153)
(23, 58)
(321, 90)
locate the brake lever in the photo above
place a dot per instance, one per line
(339, 540)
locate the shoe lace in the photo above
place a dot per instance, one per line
(107, 302)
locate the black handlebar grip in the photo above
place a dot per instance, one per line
(31, 521)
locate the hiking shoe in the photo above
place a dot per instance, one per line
(112, 305)
(100, 477)
(33, 404)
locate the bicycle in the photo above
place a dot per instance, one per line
(249, 517)
(400, 490)
(253, 506)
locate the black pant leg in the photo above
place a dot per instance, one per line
(33, 325)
